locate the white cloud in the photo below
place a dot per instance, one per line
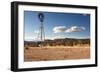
(59, 37)
(83, 28)
(55, 37)
(75, 29)
(36, 31)
(29, 38)
(60, 29)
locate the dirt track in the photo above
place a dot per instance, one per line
(56, 53)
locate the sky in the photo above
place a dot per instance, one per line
(56, 25)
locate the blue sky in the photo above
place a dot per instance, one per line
(56, 25)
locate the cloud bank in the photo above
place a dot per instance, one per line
(75, 29)
(36, 31)
(61, 29)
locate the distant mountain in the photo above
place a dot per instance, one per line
(55, 42)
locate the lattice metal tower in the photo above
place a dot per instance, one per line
(41, 34)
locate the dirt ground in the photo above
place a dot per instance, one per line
(56, 53)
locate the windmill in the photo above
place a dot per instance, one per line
(41, 34)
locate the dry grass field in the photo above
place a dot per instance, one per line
(56, 53)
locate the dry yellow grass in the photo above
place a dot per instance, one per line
(56, 53)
